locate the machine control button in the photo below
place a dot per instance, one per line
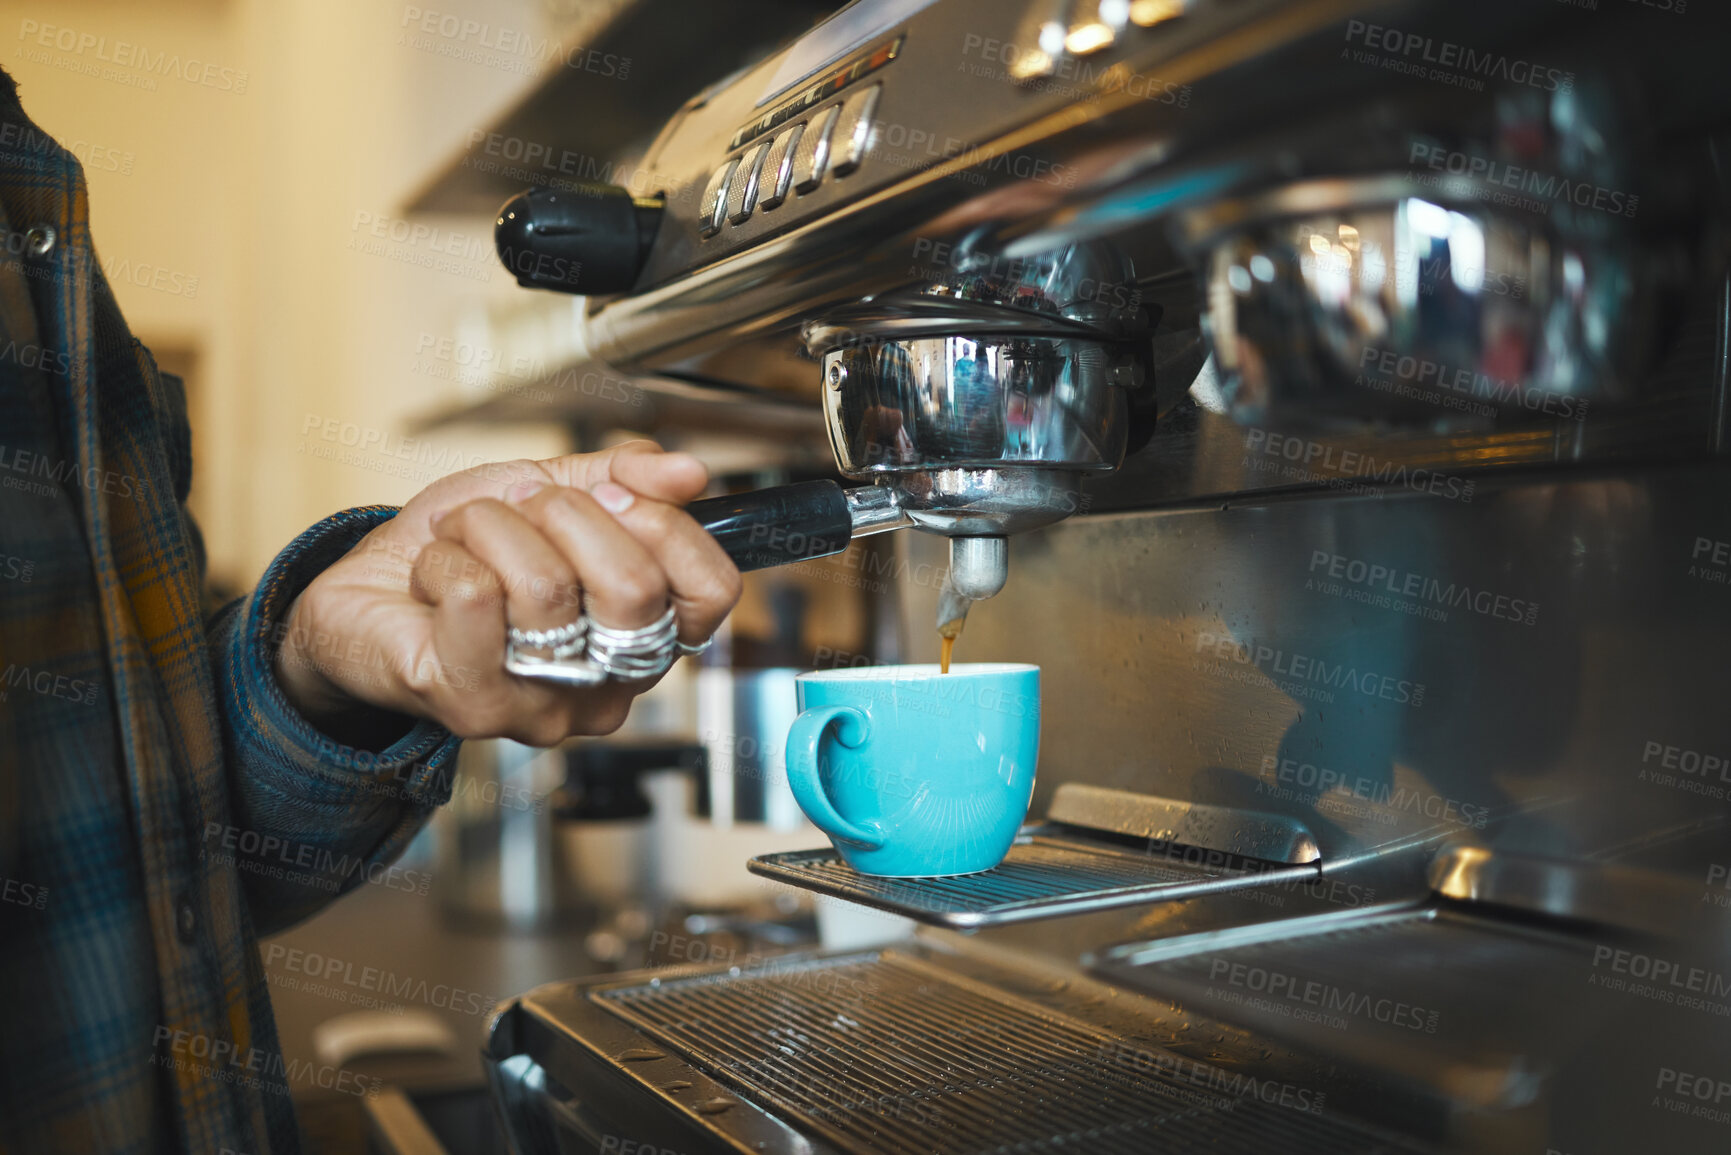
(811, 156)
(715, 199)
(853, 130)
(777, 175)
(742, 189)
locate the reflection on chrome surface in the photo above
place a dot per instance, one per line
(1415, 315)
(956, 401)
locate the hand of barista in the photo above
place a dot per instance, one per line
(413, 619)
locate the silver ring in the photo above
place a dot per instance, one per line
(642, 653)
(692, 651)
(564, 663)
(565, 641)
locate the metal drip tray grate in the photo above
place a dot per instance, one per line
(887, 1055)
(1043, 876)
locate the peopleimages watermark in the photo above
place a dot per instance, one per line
(122, 61)
(367, 981)
(501, 46)
(19, 466)
(1705, 1097)
(1079, 78)
(1299, 459)
(538, 163)
(384, 451)
(1676, 7)
(46, 683)
(1440, 383)
(1294, 996)
(665, 947)
(1718, 891)
(1543, 188)
(23, 893)
(303, 863)
(449, 573)
(1305, 676)
(745, 756)
(940, 260)
(1710, 561)
(1659, 979)
(1189, 1074)
(618, 1145)
(854, 567)
(1293, 780)
(467, 255)
(843, 1102)
(471, 364)
(30, 355)
(24, 146)
(1333, 891)
(1462, 66)
(251, 1067)
(370, 663)
(1391, 587)
(26, 252)
(1691, 771)
(917, 147)
(1349, 255)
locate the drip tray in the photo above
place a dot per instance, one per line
(890, 1055)
(1480, 1009)
(1048, 872)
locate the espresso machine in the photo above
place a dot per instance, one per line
(1351, 383)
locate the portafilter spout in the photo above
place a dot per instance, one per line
(979, 567)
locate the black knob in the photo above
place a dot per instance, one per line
(591, 239)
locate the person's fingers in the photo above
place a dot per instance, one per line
(671, 477)
(623, 584)
(701, 577)
(640, 466)
(463, 681)
(468, 618)
(540, 586)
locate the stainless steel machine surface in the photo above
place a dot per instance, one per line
(1350, 384)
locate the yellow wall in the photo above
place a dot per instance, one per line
(316, 115)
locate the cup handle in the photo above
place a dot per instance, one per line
(803, 779)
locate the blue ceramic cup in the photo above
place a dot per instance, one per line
(913, 773)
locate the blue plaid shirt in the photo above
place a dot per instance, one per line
(161, 803)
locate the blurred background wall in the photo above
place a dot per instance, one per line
(248, 164)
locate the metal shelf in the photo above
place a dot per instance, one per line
(1046, 874)
(1082, 859)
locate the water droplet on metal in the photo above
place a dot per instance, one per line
(640, 1055)
(676, 1085)
(714, 1106)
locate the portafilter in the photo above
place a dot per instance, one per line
(974, 401)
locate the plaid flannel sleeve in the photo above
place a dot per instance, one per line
(313, 818)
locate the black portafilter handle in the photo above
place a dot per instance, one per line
(590, 239)
(779, 525)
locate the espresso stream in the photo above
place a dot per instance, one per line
(948, 632)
